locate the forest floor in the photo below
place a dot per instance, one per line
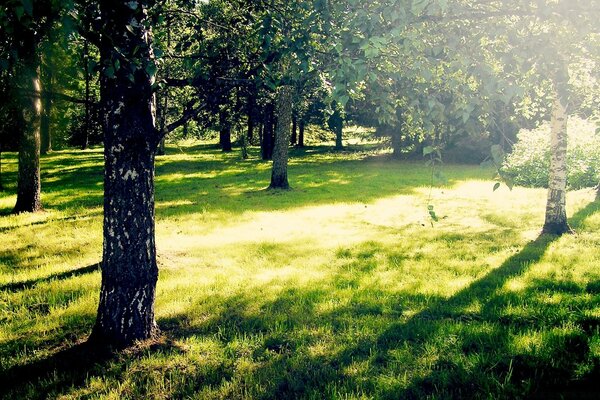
(341, 288)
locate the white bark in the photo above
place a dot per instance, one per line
(556, 215)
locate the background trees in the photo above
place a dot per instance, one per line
(445, 74)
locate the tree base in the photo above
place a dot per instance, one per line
(21, 209)
(100, 340)
(557, 229)
(285, 186)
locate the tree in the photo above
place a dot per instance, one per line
(23, 28)
(129, 268)
(279, 178)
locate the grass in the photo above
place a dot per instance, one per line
(337, 289)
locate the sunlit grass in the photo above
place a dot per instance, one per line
(339, 288)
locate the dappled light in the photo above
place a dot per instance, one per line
(335, 292)
(264, 200)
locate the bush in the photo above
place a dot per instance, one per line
(529, 162)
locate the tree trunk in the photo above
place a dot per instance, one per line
(28, 190)
(45, 132)
(1, 187)
(336, 124)
(396, 142)
(162, 112)
(250, 131)
(267, 136)
(88, 122)
(301, 133)
(556, 215)
(224, 131)
(279, 178)
(129, 268)
(294, 138)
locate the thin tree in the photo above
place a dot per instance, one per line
(283, 104)
(556, 214)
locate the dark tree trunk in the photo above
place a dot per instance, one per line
(268, 132)
(224, 131)
(1, 187)
(45, 132)
(396, 142)
(162, 112)
(129, 269)
(250, 131)
(28, 190)
(301, 133)
(87, 126)
(336, 124)
(279, 178)
(294, 138)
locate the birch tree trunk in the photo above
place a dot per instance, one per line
(283, 103)
(556, 215)
(129, 268)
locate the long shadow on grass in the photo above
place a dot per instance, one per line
(550, 375)
(472, 355)
(24, 285)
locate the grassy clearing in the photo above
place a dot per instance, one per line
(337, 289)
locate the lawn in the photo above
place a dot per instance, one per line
(338, 289)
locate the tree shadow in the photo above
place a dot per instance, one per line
(24, 285)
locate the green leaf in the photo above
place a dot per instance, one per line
(151, 69)
(110, 72)
(496, 186)
(28, 7)
(428, 150)
(19, 10)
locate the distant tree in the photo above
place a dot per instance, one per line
(279, 178)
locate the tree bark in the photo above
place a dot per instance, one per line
(279, 178)
(1, 186)
(129, 268)
(336, 123)
(294, 138)
(28, 187)
(266, 143)
(396, 142)
(45, 129)
(301, 133)
(556, 215)
(225, 131)
(87, 77)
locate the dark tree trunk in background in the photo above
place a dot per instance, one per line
(283, 101)
(45, 129)
(129, 269)
(396, 142)
(1, 187)
(87, 126)
(294, 138)
(162, 112)
(268, 132)
(224, 131)
(301, 133)
(336, 124)
(556, 214)
(28, 188)
(250, 131)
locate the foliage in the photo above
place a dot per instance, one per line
(529, 161)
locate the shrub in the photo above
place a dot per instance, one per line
(529, 162)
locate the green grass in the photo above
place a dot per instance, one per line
(337, 289)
